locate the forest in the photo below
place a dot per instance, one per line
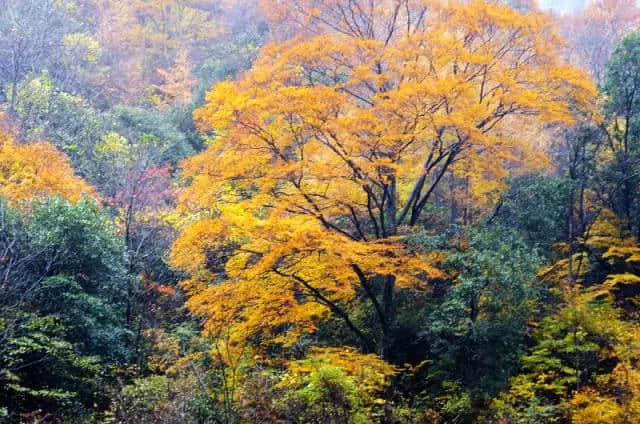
(319, 211)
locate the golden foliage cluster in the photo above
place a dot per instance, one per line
(324, 150)
(30, 171)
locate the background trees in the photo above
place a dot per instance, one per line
(621, 107)
(595, 32)
(33, 31)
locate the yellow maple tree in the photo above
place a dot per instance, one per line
(331, 146)
(29, 171)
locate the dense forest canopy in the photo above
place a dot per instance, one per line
(319, 211)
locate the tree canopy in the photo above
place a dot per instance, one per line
(330, 147)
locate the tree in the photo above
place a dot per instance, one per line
(37, 170)
(535, 205)
(582, 364)
(45, 112)
(62, 307)
(333, 386)
(582, 349)
(40, 36)
(178, 84)
(621, 156)
(150, 35)
(31, 29)
(134, 163)
(476, 332)
(596, 30)
(330, 148)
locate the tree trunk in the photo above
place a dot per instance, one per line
(388, 303)
(14, 95)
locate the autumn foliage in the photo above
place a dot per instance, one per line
(329, 148)
(37, 170)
